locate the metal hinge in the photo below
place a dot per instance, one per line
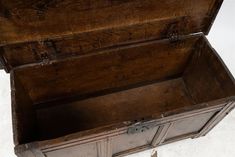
(176, 40)
(44, 51)
(174, 37)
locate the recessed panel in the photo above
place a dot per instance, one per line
(188, 125)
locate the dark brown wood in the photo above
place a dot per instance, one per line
(37, 52)
(113, 108)
(150, 84)
(109, 69)
(45, 39)
(55, 148)
(24, 120)
(216, 75)
(110, 78)
(40, 20)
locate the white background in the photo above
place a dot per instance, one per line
(220, 142)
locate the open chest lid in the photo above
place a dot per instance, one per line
(34, 31)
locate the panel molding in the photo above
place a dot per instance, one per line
(132, 151)
(216, 119)
(179, 138)
(104, 148)
(77, 139)
(161, 134)
(103, 140)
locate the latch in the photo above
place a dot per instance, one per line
(176, 40)
(141, 127)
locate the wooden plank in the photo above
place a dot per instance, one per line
(117, 107)
(38, 20)
(100, 133)
(23, 114)
(207, 71)
(132, 151)
(85, 43)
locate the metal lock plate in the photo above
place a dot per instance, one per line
(141, 127)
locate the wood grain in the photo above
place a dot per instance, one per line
(85, 72)
(22, 21)
(113, 86)
(129, 105)
(106, 70)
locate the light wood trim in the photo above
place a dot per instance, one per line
(161, 134)
(104, 148)
(132, 151)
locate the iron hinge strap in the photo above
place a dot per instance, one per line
(174, 37)
(44, 51)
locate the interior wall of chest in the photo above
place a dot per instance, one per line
(128, 83)
(106, 71)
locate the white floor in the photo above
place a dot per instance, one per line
(220, 142)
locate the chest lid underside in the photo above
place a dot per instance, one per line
(33, 31)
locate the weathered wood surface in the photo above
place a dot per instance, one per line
(109, 69)
(72, 28)
(118, 143)
(126, 84)
(36, 20)
(112, 108)
(85, 73)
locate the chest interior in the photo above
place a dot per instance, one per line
(102, 67)
(128, 83)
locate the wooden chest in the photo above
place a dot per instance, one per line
(103, 78)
